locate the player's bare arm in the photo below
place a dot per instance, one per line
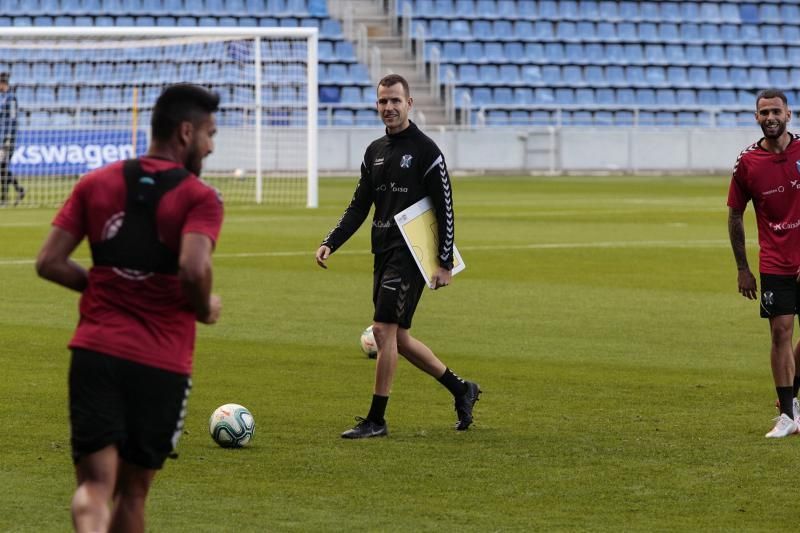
(746, 280)
(54, 264)
(195, 273)
(323, 253)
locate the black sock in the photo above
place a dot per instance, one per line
(785, 398)
(378, 409)
(796, 386)
(454, 384)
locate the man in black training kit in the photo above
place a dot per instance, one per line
(8, 138)
(398, 170)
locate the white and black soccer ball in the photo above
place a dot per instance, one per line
(232, 425)
(368, 345)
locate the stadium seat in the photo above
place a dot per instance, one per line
(503, 96)
(595, 75)
(605, 96)
(509, 74)
(687, 119)
(645, 97)
(572, 75)
(523, 96)
(519, 117)
(655, 54)
(608, 10)
(532, 75)
(670, 11)
(481, 29)
(564, 96)
(626, 97)
(666, 97)
(493, 52)
(584, 96)
(551, 75)
(615, 76)
(635, 76)
(496, 117)
(488, 74)
(698, 77)
(718, 77)
(554, 52)
(514, 51)
(655, 76)
(677, 77)
(544, 95)
(481, 96)
(503, 30)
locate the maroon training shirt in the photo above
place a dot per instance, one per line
(143, 317)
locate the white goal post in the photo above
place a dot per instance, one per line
(84, 97)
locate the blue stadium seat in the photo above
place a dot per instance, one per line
(739, 76)
(548, 9)
(626, 31)
(481, 29)
(635, 76)
(675, 54)
(789, 12)
(465, 9)
(647, 118)
(624, 118)
(488, 73)
(584, 96)
(645, 97)
(690, 32)
(345, 51)
(629, 10)
(523, 30)
(649, 11)
(695, 55)
(726, 119)
(791, 33)
(670, 11)
(677, 77)
(551, 74)
(519, 117)
(339, 73)
(779, 77)
(574, 53)
(648, 32)
(523, 96)
(566, 30)
(503, 96)
(452, 51)
(607, 31)
(594, 54)
(468, 74)
(729, 33)
(351, 95)
(655, 54)
(735, 55)
(481, 96)
(665, 118)
(698, 77)
(330, 29)
(588, 10)
(493, 52)
(473, 52)
(564, 96)
(343, 117)
(527, 9)
(503, 30)
(535, 53)
(729, 13)
(726, 97)
(626, 97)
(572, 75)
(485, 8)
(615, 76)
(634, 54)
(769, 13)
(715, 54)
(532, 75)
(605, 96)
(594, 75)
(750, 33)
(687, 119)
(690, 11)
(554, 52)
(759, 78)
(544, 95)
(366, 117)
(718, 77)
(666, 97)
(755, 54)
(509, 74)
(514, 51)
(655, 76)
(608, 10)
(457, 29)
(507, 9)
(542, 31)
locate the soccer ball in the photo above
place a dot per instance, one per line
(368, 345)
(232, 425)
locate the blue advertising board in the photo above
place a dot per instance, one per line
(72, 152)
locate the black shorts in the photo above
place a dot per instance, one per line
(780, 295)
(139, 408)
(397, 287)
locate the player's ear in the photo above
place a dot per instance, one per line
(186, 132)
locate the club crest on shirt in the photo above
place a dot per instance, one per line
(405, 161)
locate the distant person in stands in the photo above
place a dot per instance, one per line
(8, 137)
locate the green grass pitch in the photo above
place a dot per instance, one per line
(626, 383)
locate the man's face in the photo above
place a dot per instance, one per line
(772, 115)
(3, 86)
(201, 143)
(393, 106)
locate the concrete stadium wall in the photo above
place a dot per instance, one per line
(571, 150)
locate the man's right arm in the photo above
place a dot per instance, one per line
(353, 216)
(196, 275)
(54, 264)
(746, 281)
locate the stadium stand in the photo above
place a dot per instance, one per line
(46, 84)
(602, 62)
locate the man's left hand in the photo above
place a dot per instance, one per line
(441, 278)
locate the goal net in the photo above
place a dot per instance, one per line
(85, 96)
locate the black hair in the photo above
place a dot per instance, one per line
(393, 79)
(771, 93)
(182, 102)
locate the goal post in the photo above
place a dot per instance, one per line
(85, 96)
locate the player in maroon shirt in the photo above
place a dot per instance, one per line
(152, 226)
(768, 174)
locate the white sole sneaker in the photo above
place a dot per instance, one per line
(784, 426)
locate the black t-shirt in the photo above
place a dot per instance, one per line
(399, 170)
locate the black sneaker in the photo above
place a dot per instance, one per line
(464, 405)
(364, 429)
(20, 196)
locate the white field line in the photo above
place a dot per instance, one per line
(708, 243)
